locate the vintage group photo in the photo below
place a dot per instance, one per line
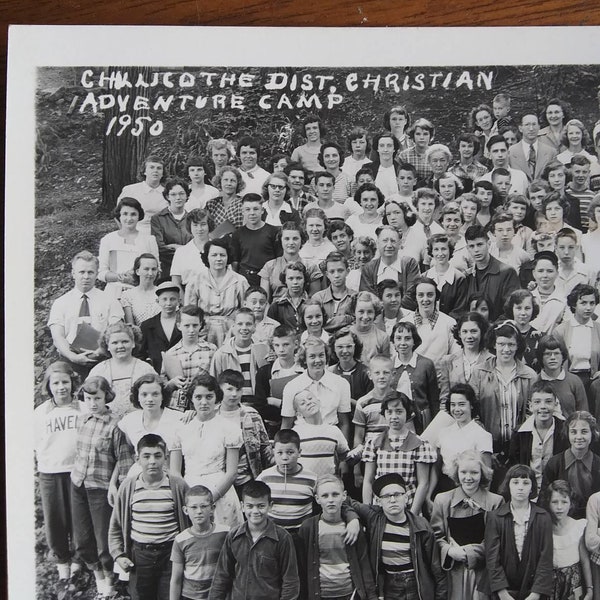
(315, 332)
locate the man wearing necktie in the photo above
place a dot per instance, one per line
(82, 313)
(530, 155)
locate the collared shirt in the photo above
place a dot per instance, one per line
(392, 271)
(454, 439)
(332, 391)
(220, 214)
(419, 161)
(441, 279)
(508, 402)
(404, 382)
(151, 199)
(386, 180)
(277, 371)
(527, 149)
(580, 346)
(254, 179)
(265, 568)
(272, 270)
(299, 202)
(335, 306)
(273, 215)
(216, 298)
(560, 377)
(264, 330)
(285, 311)
(437, 339)
(520, 528)
(187, 262)
(515, 257)
(421, 321)
(541, 448)
(580, 274)
(192, 361)
(580, 475)
(104, 310)
(428, 230)
(100, 446)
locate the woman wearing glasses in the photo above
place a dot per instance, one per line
(277, 210)
(169, 226)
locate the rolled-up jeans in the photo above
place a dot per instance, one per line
(55, 490)
(91, 517)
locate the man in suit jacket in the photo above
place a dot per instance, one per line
(390, 265)
(529, 155)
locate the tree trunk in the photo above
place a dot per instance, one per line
(123, 154)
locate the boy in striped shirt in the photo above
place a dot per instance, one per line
(147, 516)
(292, 486)
(404, 555)
(329, 567)
(323, 445)
(196, 550)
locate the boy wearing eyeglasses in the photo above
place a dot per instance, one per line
(196, 549)
(403, 553)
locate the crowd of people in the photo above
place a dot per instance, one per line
(370, 372)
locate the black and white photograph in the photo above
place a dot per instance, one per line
(303, 313)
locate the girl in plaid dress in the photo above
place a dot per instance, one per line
(401, 451)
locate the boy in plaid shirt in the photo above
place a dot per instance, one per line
(103, 459)
(193, 353)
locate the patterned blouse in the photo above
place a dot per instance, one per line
(399, 456)
(220, 214)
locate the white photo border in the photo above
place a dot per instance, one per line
(31, 47)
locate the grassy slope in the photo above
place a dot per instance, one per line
(69, 152)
